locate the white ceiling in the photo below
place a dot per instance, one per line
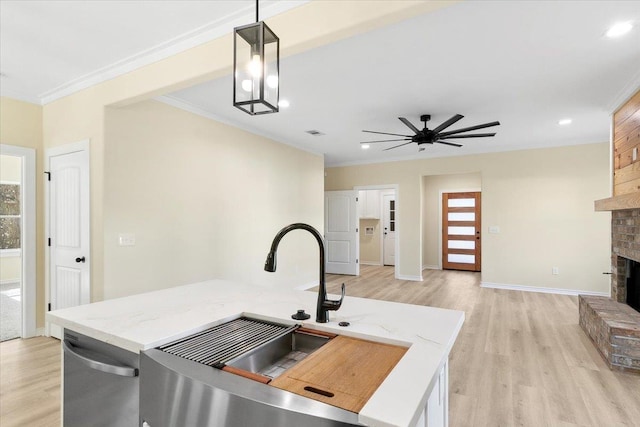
(526, 64)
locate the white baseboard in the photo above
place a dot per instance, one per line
(559, 291)
(10, 282)
(370, 263)
(411, 278)
(39, 332)
(431, 267)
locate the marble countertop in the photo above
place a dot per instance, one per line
(144, 321)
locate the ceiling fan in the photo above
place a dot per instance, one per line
(430, 136)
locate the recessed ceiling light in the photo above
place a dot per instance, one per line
(564, 122)
(283, 103)
(619, 29)
(365, 146)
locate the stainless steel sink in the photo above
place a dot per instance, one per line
(276, 356)
(178, 386)
(252, 345)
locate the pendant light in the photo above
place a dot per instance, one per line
(256, 68)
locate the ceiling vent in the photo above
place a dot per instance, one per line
(314, 132)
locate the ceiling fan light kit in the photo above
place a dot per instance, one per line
(433, 136)
(256, 68)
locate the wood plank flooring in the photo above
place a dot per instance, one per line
(30, 382)
(520, 360)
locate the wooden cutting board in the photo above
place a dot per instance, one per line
(345, 372)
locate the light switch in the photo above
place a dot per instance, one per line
(126, 239)
(494, 229)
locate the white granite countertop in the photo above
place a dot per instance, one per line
(144, 321)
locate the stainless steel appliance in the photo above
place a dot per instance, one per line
(183, 384)
(101, 383)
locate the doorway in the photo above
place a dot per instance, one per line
(68, 230)
(461, 243)
(17, 242)
(379, 233)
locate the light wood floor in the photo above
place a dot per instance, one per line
(30, 382)
(520, 360)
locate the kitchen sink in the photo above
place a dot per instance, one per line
(274, 357)
(246, 345)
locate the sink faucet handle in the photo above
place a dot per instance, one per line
(334, 304)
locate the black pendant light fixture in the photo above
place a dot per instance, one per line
(256, 68)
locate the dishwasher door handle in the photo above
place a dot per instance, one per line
(123, 371)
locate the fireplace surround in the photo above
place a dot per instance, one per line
(612, 324)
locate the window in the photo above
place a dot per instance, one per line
(9, 216)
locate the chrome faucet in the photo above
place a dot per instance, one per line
(324, 305)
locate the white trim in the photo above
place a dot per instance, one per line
(8, 93)
(204, 34)
(370, 263)
(559, 291)
(9, 281)
(10, 253)
(396, 191)
(194, 109)
(67, 149)
(40, 332)
(411, 278)
(28, 237)
(9, 183)
(625, 94)
(431, 267)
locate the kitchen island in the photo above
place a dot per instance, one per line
(418, 381)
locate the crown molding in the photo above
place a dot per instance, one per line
(8, 93)
(196, 37)
(625, 94)
(191, 108)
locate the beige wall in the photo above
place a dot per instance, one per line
(21, 125)
(10, 169)
(82, 115)
(432, 189)
(204, 200)
(542, 200)
(370, 243)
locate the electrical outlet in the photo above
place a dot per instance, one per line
(494, 229)
(126, 239)
(555, 270)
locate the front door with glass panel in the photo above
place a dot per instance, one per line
(461, 231)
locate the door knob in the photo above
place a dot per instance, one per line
(80, 259)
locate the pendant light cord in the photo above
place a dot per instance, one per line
(257, 20)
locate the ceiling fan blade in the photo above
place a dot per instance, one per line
(448, 123)
(391, 148)
(475, 135)
(408, 123)
(385, 140)
(385, 133)
(486, 125)
(449, 143)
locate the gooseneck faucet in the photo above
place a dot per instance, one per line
(324, 305)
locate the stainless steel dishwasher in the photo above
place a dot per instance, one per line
(101, 383)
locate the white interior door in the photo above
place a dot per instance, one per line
(389, 229)
(341, 232)
(69, 251)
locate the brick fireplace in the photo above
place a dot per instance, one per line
(613, 325)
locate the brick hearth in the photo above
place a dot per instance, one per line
(611, 324)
